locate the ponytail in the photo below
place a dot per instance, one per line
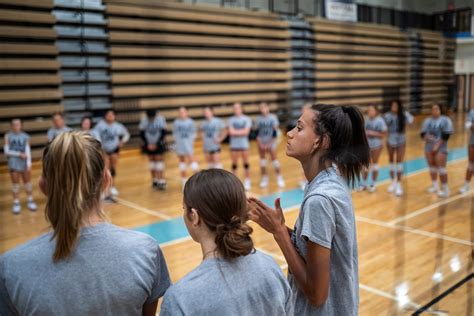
(73, 167)
(400, 116)
(348, 149)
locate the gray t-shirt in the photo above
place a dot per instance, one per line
(239, 123)
(211, 130)
(250, 285)
(53, 132)
(152, 128)
(184, 132)
(327, 218)
(17, 142)
(376, 124)
(396, 138)
(266, 126)
(113, 271)
(111, 134)
(470, 118)
(435, 127)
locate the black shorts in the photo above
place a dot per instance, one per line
(115, 151)
(212, 152)
(159, 150)
(239, 149)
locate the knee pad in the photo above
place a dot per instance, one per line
(15, 188)
(400, 168)
(151, 165)
(470, 167)
(159, 166)
(442, 171)
(276, 164)
(182, 166)
(28, 187)
(263, 163)
(433, 170)
(234, 166)
(219, 166)
(194, 166)
(113, 172)
(246, 166)
(392, 167)
(374, 167)
(211, 165)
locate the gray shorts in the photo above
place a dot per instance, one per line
(17, 164)
(442, 149)
(375, 142)
(184, 148)
(396, 139)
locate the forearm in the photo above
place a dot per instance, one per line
(28, 156)
(8, 152)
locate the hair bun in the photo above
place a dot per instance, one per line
(233, 238)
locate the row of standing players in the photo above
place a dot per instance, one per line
(435, 131)
(153, 127)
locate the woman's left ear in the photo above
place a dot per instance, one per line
(42, 185)
(195, 219)
(106, 180)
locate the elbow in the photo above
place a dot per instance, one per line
(318, 300)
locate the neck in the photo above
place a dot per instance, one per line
(312, 167)
(93, 217)
(208, 247)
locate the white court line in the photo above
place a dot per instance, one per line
(429, 207)
(385, 294)
(142, 209)
(414, 230)
(174, 242)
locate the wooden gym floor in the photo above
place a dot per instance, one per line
(411, 249)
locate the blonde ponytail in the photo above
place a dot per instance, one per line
(73, 166)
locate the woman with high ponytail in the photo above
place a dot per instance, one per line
(233, 278)
(321, 250)
(84, 266)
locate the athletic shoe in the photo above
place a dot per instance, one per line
(264, 182)
(280, 182)
(361, 188)
(113, 191)
(443, 193)
(372, 188)
(16, 208)
(464, 188)
(32, 206)
(162, 185)
(392, 187)
(398, 190)
(247, 184)
(155, 185)
(432, 189)
(109, 199)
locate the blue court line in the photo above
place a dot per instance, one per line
(174, 229)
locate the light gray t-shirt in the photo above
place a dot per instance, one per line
(435, 127)
(327, 218)
(113, 271)
(111, 135)
(152, 128)
(239, 123)
(266, 126)
(249, 285)
(470, 118)
(211, 130)
(17, 142)
(376, 124)
(53, 132)
(184, 132)
(396, 138)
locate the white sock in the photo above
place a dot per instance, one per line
(16, 201)
(435, 184)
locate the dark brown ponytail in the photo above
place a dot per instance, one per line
(219, 198)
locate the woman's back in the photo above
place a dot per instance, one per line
(247, 285)
(113, 271)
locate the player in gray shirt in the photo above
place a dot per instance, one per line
(18, 152)
(321, 250)
(266, 126)
(233, 278)
(239, 127)
(113, 135)
(84, 266)
(58, 127)
(153, 132)
(397, 119)
(435, 131)
(375, 129)
(470, 167)
(184, 133)
(213, 132)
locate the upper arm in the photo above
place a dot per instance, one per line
(6, 139)
(150, 308)
(318, 272)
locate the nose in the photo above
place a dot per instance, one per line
(289, 134)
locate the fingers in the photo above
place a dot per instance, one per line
(258, 202)
(278, 204)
